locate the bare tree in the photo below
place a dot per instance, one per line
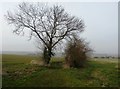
(49, 24)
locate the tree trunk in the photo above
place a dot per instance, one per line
(48, 52)
(47, 55)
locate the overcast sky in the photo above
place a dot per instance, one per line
(100, 18)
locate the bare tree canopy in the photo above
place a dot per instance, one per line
(50, 24)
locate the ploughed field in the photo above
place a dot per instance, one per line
(17, 71)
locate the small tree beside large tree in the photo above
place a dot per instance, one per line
(49, 24)
(77, 52)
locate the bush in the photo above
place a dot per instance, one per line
(96, 57)
(77, 51)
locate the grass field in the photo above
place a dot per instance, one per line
(18, 72)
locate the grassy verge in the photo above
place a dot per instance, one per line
(18, 72)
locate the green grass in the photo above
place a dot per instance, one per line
(18, 72)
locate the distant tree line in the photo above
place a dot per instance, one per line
(108, 57)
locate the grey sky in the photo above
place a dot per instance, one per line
(101, 21)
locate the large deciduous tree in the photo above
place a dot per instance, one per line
(50, 24)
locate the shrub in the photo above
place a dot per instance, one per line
(96, 57)
(102, 57)
(77, 52)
